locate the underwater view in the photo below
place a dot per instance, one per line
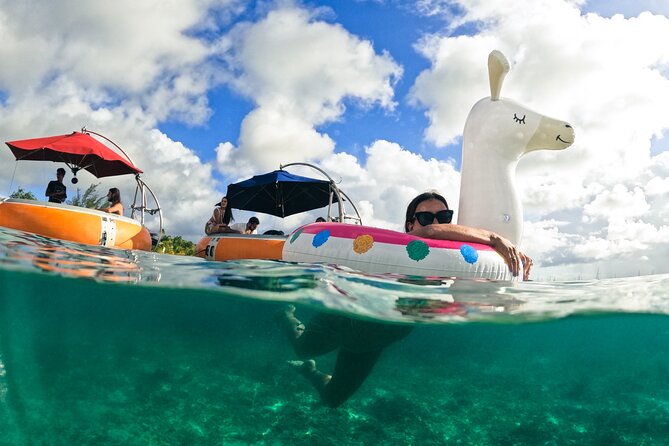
(116, 347)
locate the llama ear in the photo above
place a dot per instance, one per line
(498, 66)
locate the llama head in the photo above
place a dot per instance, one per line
(508, 128)
(498, 132)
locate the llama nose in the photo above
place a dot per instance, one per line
(568, 126)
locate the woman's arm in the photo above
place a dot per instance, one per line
(509, 252)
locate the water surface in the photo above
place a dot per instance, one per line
(103, 346)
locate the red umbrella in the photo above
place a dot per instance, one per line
(78, 151)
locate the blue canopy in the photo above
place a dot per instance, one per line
(280, 193)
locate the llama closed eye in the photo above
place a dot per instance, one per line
(519, 120)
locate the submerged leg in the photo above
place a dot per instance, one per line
(321, 335)
(308, 369)
(351, 370)
(288, 323)
(360, 345)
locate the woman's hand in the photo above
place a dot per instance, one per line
(527, 265)
(513, 257)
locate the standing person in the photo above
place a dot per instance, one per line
(220, 219)
(56, 190)
(359, 343)
(114, 199)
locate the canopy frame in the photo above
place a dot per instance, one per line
(334, 191)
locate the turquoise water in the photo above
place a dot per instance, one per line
(109, 347)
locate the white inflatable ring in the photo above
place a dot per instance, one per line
(377, 250)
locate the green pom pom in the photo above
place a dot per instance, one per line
(417, 250)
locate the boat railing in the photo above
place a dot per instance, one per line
(139, 207)
(142, 192)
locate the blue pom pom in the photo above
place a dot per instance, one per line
(321, 238)
(470, 254)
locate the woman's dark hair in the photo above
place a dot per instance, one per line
(411, 209)
(227, 215)
(115, 195)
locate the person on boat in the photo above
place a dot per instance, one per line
(250, 227)
(114, 199)
(320, 220)
(56, 190)
(220, 219)
(359, 343)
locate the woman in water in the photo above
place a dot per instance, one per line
(428, 216)
(360, 342)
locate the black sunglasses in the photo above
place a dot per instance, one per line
(427, 218)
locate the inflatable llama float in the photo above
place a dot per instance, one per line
(498, 132)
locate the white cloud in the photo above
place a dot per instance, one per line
(543, 240)
(123, 44)
(629, 8)
(389, 178)
(617, 202)
(657, 186)
(299, 70)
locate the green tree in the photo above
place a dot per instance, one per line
(175, 245)
(90, 199)
(23, 194)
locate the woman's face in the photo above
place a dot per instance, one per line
(431, 205)
(224, 202)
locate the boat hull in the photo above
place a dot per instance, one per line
(74, 224)
(237, 247)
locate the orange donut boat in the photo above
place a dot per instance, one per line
(279, 193)
(81, 151)
(73, 223)
(237, 246)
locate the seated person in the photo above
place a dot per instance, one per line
(115, 205)
(220, 219)
(320, 220)
(251, 227)
(56, 190)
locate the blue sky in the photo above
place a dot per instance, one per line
(204, 93)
